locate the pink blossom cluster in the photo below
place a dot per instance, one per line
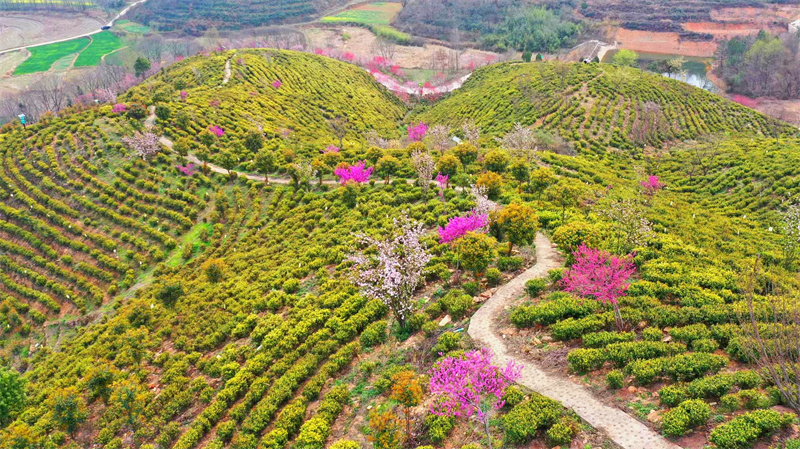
(442, 180)
(458, 226)
(745, 101)
(332, 149)
(417, 132)
(652, 185)
(277, 84)
(355, 173)
(598, 275)
(470, 384)
(119, 108)
(216, 130)
(187, 170)
(184, 94)
(348, 56)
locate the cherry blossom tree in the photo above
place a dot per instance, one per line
(440, 137)
(627, 218)
(119, 108)
(470, 385)
(394, 272)
(483, 205)
(600, 276)
(442, 180)
(187, 170)
(145, 145)
(423, 164)
(471, 132)
(521, 142)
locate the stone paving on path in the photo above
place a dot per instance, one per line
(620, 427)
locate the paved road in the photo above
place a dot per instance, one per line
(622, 428)
(110, 23)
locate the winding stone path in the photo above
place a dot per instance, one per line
(622, 428)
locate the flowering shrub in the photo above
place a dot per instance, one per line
(459, 226)
(119, 108)
(187, 170)
(332, 149)
(417, 132)
(277, 84)
(216, 130)
(355, 173)
(652, 185)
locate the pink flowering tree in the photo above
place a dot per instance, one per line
(470, 385)
(332, 149)
(184, 95)
(355, 173)
(652, 185)
(417, 132)
(393, 271)
(458, 226)
(119, 108)
(277, 84)
(187, 170)
(600, 276)
(216, 130)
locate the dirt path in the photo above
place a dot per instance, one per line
(227, 76)
(622, 428)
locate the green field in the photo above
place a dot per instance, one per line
(376, 16)
(132, 27)
(102, 44)
(42, 58)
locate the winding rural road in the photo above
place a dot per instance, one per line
(110, 23)
(619, 426)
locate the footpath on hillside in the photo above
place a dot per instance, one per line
(620, 427)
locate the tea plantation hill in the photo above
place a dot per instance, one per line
(283, 93)
(596, 106)
(221, 311)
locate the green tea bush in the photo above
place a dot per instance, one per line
(743, 431)
(615, 379)
(688, 415)
(535, 286)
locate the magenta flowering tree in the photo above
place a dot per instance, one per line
(277, 84)
(417, 132)
(459, 226)
(355, 173)
(184, 94)
(394, 272)
(332, 149)
(601, 276)
(187, 170)
(652, 185)
(216, 130)
(470, 385)
(119, 108)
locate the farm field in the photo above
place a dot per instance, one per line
(102, 44)
(32, 28)
(43, 57)
(132, 27)
(309, 280)
(376, 16)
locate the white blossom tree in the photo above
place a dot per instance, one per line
(440, 137)
(521, 142)
(424, 165)
(145, 145)
(627, 218)
(394, 272)
(471, 132)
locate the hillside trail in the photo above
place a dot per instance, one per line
(227, 76)
(622, 428)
